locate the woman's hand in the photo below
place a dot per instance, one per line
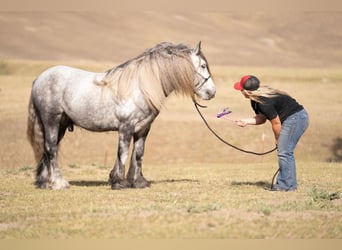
(256, 120)
(241, 123)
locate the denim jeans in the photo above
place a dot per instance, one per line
(291, 130)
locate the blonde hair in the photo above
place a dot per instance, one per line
(262, 91)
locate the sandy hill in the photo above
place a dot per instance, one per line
(298, 39)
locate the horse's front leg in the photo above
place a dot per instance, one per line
(117, 175)
(135, 176)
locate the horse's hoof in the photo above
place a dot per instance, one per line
(141, 184)
(60, 184)
(121, 185)
(42, 184)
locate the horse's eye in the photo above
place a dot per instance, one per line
(203, 66)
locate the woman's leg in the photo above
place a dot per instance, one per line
(292, 129)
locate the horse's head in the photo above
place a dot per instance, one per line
(204, 85)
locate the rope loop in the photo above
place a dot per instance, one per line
(224, 141)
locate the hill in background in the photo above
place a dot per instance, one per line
(298, 39)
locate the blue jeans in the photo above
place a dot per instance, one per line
(291, 130)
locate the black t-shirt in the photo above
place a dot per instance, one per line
(282, 105)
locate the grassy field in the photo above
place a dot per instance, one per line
(185, 201)
(200, 188)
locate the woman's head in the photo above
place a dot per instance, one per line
(247, 82)
(249, 86)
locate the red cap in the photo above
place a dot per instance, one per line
(239, 85)
(247, 82)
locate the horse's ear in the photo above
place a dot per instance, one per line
(197, 49)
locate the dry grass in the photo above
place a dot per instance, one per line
(185, 201)
(201, 188)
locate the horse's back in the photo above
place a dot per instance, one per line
(50, 87)
(62, 74)
(58, 79)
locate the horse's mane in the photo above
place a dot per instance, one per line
(156, 72)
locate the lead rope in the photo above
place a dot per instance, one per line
(275, 174)
(229, 144)
(224, 141)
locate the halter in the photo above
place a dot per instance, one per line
(198, 86)
(205, 79)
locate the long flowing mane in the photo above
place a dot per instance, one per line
(155, 73)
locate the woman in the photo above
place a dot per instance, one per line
(289, 121)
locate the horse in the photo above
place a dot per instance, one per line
(126, 98)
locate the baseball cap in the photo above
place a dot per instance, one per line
(247, 82)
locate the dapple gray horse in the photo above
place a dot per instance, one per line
(126, 98)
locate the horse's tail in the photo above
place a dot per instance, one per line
(35, 133)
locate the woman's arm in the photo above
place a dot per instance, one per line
(260, 119)
(256, 120)
(276, 127)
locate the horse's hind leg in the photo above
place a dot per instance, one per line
(48, 174)
(135, 175)
(42, 173)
